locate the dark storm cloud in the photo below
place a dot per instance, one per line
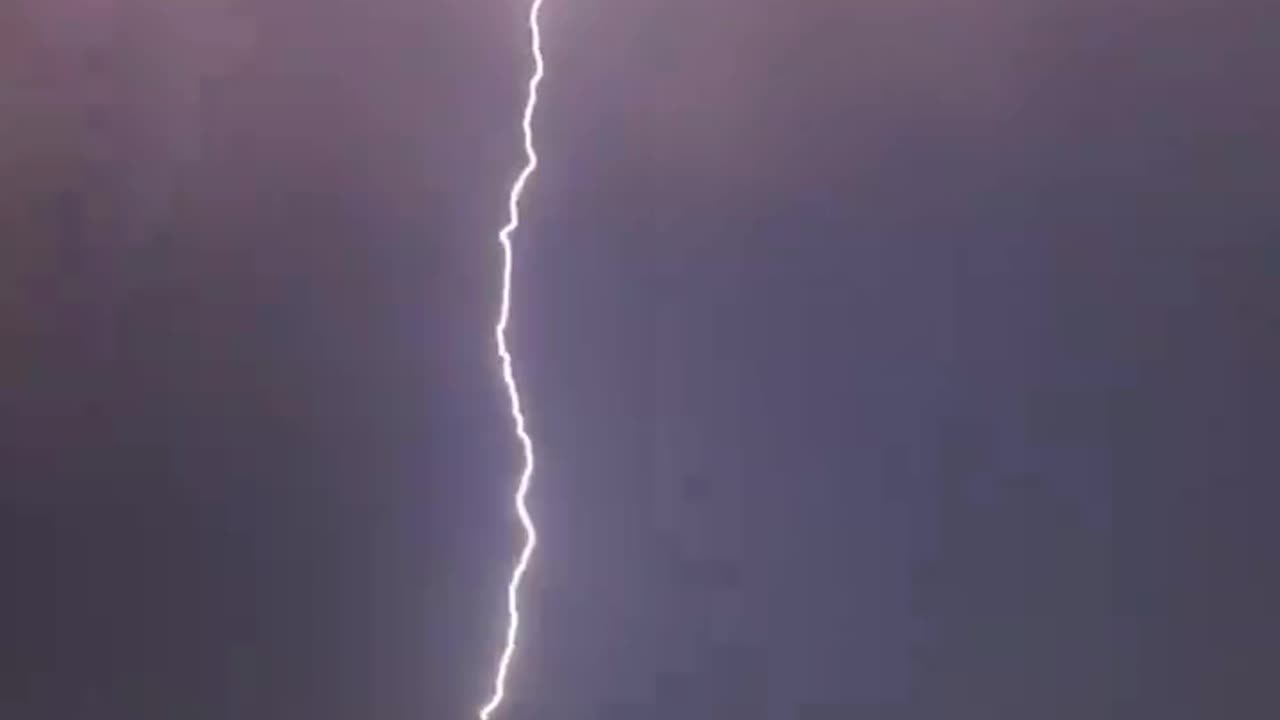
(919, 286)
(247, 291)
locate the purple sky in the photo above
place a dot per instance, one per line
(885, 360)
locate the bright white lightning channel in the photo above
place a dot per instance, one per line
(508, 375)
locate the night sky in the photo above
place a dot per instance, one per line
(888, 360)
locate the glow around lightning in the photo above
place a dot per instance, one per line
(508, 374)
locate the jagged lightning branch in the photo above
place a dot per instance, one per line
(508, 375)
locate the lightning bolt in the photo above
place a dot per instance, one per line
(508, 375)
